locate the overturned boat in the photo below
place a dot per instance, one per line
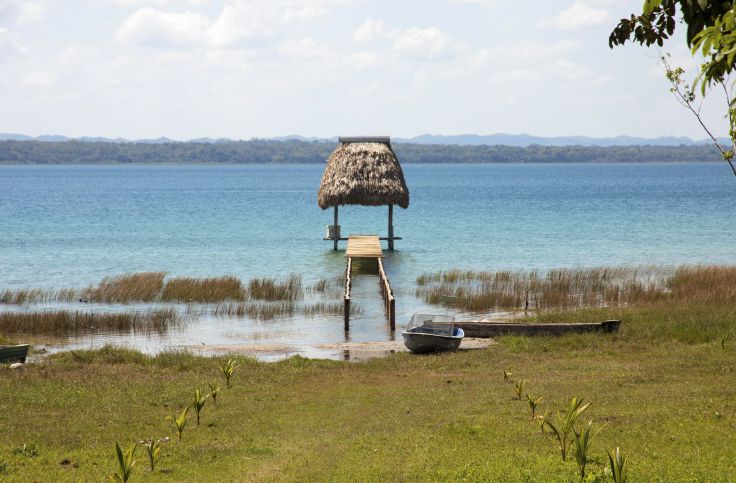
(432, 333)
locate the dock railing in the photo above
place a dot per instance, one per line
(388, 294)
(348, 284)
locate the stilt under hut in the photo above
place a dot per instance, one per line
(363, 171)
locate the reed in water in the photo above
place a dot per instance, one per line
(63, 322)
(576, 288)
(269, 289)
(127, 288)
(204, 290)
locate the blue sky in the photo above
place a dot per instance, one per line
(257, 68)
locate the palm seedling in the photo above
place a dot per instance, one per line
(564, 425)
(581, 442)
(533, 403)
(227, 370)
(153, 450)
(125, 463)
(507, 374)
(180, 421)
(200, 397)
(541, 418)
(619, 466)
(214, 391)
(519, 389)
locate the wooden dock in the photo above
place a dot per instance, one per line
(364, 246)
(368, 246)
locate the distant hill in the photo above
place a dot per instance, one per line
(499, 139)
(292, 151)
(528, 140)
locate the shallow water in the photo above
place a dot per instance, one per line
(69, 226)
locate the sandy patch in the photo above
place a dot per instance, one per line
(357, 350)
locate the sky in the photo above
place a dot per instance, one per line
(240, 69)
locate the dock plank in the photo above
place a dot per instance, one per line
(364, 246)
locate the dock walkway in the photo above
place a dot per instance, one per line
(368, 246)
(364, 246)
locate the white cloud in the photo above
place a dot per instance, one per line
(428, 44)
(9, 45)
(568, 70)
(152, 27)
(157, 3)
(305, 48)
(369, 31)
(515, 76)
(578, 15)
(19, 11)
(239, 20)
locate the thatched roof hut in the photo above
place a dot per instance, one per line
(363, 171)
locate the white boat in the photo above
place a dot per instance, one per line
(432, 333)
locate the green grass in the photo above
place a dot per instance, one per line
(667, 400)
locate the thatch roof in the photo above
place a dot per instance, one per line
(363, 171)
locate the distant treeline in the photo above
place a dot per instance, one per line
(266, 151)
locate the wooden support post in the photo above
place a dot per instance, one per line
(334, 242)
(391, 227)
(392, 313)
(347, 315)
(348, 284)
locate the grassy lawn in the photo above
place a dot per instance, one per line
(667, 398)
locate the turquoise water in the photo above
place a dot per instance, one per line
(63, 226)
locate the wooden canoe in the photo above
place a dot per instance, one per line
(13, 353)
(492, 329)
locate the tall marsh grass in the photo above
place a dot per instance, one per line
(127, 288)
(272, 310)
(269, 289)
(147, 287)
(205, 290)
(577, 288)
(37, 295)
(75, 322)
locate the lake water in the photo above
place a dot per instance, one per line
(69, 226)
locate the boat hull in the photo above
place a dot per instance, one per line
(13, 353)
(422, 342)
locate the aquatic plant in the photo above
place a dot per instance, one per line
(227, 370)
(581, 443)
(574, 288)
(204, 290)
(153, 450)
(272, 290)
(180, 421)
(619, 465)
(272, 310)
(125, 463)
(533, 403)
(563, 426)
(123, 289)
(519, 389)
(36, 295)
(200, 398)
(73, 322)
(214, 391)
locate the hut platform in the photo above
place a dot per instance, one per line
(364, 246)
